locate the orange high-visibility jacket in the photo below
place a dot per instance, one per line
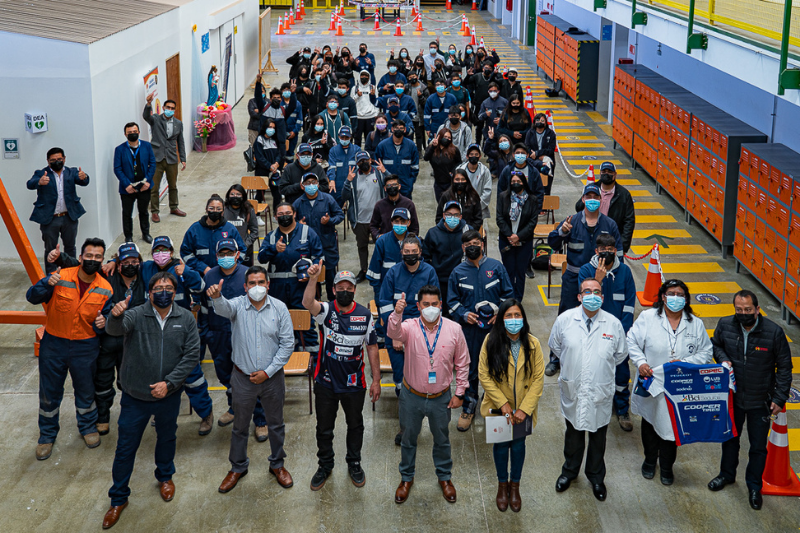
(68, 315)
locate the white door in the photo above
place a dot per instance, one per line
(227, 67)
(238, 56)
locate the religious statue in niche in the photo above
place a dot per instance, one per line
(213, 82)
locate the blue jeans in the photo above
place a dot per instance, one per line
(196, 388)
(134, 416)
(413, 409)
(622, 394)
(501, 450)
(397, 359)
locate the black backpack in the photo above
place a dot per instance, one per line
(541, 256)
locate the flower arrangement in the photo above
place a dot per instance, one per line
(206, 125)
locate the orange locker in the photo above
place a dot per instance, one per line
(790, 294)
(750, 225)
(748, 254)
(767, 269)
(793, 262)
(752, 195)
(744, 162)
(780, 245)
(777, 281)
(756, 261)
(760, 232)
(738, 247)
(742, 194)
(794, 230)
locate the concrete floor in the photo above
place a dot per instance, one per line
(68, 491)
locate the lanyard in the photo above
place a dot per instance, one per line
(431, 349)
(134, 152)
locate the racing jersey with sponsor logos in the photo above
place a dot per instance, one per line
(340, 365)
(699, 398)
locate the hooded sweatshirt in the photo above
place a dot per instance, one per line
(365, 104)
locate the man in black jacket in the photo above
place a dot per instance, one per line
(616, 203)
(762, 364)
(292, 175)
(541, 141)
(161, 348)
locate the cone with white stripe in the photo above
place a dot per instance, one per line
(779, 478)
(549, 115)
(655, 278)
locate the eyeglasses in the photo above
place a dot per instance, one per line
(587, 292)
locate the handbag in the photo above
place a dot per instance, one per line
(249, 158)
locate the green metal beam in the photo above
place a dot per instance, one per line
(694, 41)
(637, 18)
(788, 78)
(600, 4)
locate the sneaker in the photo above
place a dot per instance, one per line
(43, 451)
(465, 421)
(226, 419)
(530, 273)
(318, 481)
(262, 433)
(361, 277)
(206, 424)
(92, 440)
(552, 368)
(357, 474)
(625, 422)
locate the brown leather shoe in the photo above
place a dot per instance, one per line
(112, 515)
(92, 440)
(230, 481)
(401, 494)
(43, 451)
(205, 425)
(177, 212)
(515, 502)
(262, 433)
(154, 217)
(283, 476)
(448, 490)
(103, 428)
(167, 489)
(502, 496)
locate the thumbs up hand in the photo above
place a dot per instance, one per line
(215, 291)
(45, 179)
(400, 306)
(100, 321)
(120, 308)
(280, 246)
(54, 254)
(55, 277)
(325, 219)
(81, 174)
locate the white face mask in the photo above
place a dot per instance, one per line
(257, 293)
(431, 314)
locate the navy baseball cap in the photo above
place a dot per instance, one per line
(361, 156)
(128, 249)
(608, 165)
(451, 203)
(345, 132)
(162, 241)
(305, 148)
(591, 187)
(393, 99)
(308, 176)
(401, 212)
(227, 244)
(474, 146)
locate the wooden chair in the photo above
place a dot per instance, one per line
(550, 205)
(557, 262)
(482, 232)
(541, 232)
(386, 364)
(373, 308)
(300, 362)
(253, 184)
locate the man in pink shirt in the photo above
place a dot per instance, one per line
(434, 348)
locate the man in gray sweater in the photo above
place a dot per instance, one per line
(160, 349)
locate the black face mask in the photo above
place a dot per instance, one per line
(345, 55)
(445, 141)
(285, 221)
(275, 104)
(344, 298)
(129, 271)
(459, 186)
(607, 257)
(515, 108)
(472, 252)
(215, 216)
(397, 133)
(517, 187)
(473, 159)
(133, 137)
(606, 179)
(364, 167)
(746, 319)
(487, 71)
(455, 120)
(411, 259)
(90, 267)
(540, 125)
(392, 191)
(364, 81)
(57, 165)
(512, 78)
(412, 81)
(362, 50)
(481, 54)
(235, 202)
(162, 299)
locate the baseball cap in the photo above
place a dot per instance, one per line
(344, 275)
(401, 212)
(361, 156)
(512, 69)
(227, 244)
(591, 187)
(305, 148)
(451, 203)
(345, 132)
(307, 49)
(485, 311)
(393, 99)
(162, 241)
(308, 176)
(474, 146)
(608, 165)
(128, 249)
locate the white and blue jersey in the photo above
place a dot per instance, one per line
(340, 365)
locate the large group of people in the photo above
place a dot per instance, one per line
(446, 312)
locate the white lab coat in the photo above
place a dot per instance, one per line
(588, 362)
(650, 341)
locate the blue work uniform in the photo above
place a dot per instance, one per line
(405, 102)
(199, 246)
(402, 159)
(390, 79)
(294, 124)
(468, 286)
(340, 159)
(442, 249)
(437, 109)
(385, 255)
(310, 212)
(403, 117)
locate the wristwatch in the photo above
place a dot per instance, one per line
(461, 397)
(170, 386)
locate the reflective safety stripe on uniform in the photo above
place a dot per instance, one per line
(49, 414)
(86, 410)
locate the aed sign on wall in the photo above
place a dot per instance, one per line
(35, 122)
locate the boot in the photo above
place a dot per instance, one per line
(502, 496)
(514, 500)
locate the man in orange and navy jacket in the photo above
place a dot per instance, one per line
(76, 301)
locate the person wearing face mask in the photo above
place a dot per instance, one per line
(444, 158)
(301, 58)
(511, 86)
(334, 119)
(620, 290)
(441, 72)
(525, 166)
(363, 189)
(460, 93)
(437, 108)
(418, 92)
(363, 94)
(262, 344)
(462, 192)
(80, 302)
(479, 177)
(431, 57)
(478, 80)
(240, 213)
(476, 289)
(293, 110)
(578, 236)
(292, 175)
(399, 155)
(453, 61)
(403, 59)
(198, 249)
(321, 212)
(590, 343)
(57, 207)
(387, 81)
(420, 70)
(667, 332)
(343, 67)
(384, 212)
(460, 130)
(541, 142)
(381, 133)
(267, 153)
(616, 203)
(161, 349)
(317, 137)
(275, 110)
(492, 109)
(347, 329)
(314, 91)
(407, 276)
(756, 348)
(394, 113)
(498, 150)
(517, 214)
(291, 246)
(405, 102)
(166, 139)
(341, 159)
(366, 61)
(442, 246)
(515, 120)
(254, 122)
(511, 370)
(134, 166)
(347, 105)
(437, 352)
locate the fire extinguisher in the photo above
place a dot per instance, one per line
(509, 5)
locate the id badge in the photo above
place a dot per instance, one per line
(431, 377)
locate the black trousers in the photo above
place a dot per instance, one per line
(363, 128)
(65, 228)
(330, 274)
(575, 444)
(758, 423)
(327, 406)
(109, 359)
(142, 199)
(656, 448)
(420, 137)
(362, 243)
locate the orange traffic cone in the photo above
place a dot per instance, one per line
(413, 11)
(472, 41)
(377, 24)
(298, 14)
(398, 32)
(339, 32)
(303, 8)
(448, 5)
(529, 102)
(280, 26)
(474, 5)
(549, 115)
(655, 278)
(482, 45)
(341, 9)
(464, 25)
(419, 22)
(290, 21)
(779, 478)
(333, 22)
(590, 175)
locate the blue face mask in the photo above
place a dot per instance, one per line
(270, 132)
(433, 51)
(452, 52)
(676, 303)
(456, 83)
(392, 70)
(440, 89)
(591, 302)
(318, 128)
(394, 109)
(513, 325)
(452, 222)
(399, 229)
(463, 114)
(399, 90)
(305, 160)
(307, 56)
(317, 77)
(344, 142)
(592, 205)
(505, 145)
(520, 158)
(287, 94)
(226, 262)
(469, 51)
(311, 190)
(169, 113)
(332, 105)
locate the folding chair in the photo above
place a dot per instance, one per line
(550, 205)
(385, 362)
(542, 231)
(557, 262)
(300, 362)
(253, 184)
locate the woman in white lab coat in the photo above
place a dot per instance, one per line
(668, 332)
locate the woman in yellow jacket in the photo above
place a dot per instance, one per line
(511, 370)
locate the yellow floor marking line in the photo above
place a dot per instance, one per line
(714, 310)
(722, 287)
(544, 294)
(574, 153)
(655, 219)
(624, 181)
(640, 194)
(607, 129)
(576, 144)
(207, 361)
(597, 117)
(647, 205)
(216, 388)
(795, 367)
(689, 268)
(595, 162)
(674, 249)
(356, 33)
(576, 138)
(669, 233)
(574, 130)
(310, 32)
